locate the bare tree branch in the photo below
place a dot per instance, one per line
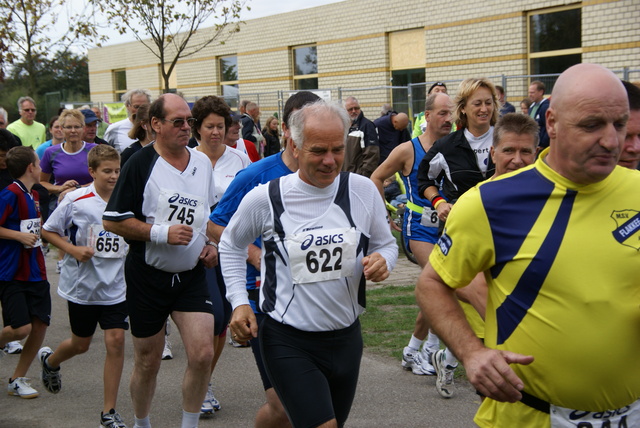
(167, 27)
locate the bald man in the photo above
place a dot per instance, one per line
(392, 131)
(559, 243)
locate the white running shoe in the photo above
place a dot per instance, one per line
(14, 347)
(412, 360)
(238, 344)
(214, 402)
(210, 404)
(427, 367)
(206, 409)
(21, 387)
(166, 352)
(444, 383)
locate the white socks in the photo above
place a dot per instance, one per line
(190, 420)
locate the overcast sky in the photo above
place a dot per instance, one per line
(259, 9)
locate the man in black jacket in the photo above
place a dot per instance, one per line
(362, 152)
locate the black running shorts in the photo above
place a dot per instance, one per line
(152, 295)
(23, 300)
(315, 374)
(85, 318)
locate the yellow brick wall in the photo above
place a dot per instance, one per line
(462, 39)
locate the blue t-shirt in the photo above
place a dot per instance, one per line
(260, 172)
(42, 148)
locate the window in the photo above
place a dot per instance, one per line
(305, 67)
(228, 66)
(406, 60)
(555, 42)
(400, 97)
(119, 84)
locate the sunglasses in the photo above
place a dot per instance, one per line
(179, 123)
(29, 110)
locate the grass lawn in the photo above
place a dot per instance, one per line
(388, 322)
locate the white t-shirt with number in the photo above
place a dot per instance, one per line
(312, 249)
(152, 190)
(99, 281)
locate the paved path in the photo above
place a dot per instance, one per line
(387, 396)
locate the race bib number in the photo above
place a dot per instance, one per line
(105, 244)
(624, 417)
(429, 217)
(322, 255)
(180, 208)
(32, 226)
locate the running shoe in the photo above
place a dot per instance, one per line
(51, 378)
(21, 387)
(214, 402)
(14, 347)
(444, 383)
(210, 403)
(238, 344)
(166, 352)
(412, 360)
(425, 354)
(111, 420)
(58, 266)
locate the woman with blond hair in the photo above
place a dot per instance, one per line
(455, 164)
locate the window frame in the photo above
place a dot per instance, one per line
(231, 83)
(531, 56)
(117, 91)
(297, 78)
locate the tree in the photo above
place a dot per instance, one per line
(173, 25)
(28, 40)
(66, 73)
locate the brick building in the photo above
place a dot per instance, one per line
(357, 44)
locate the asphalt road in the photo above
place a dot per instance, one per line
(387, 396)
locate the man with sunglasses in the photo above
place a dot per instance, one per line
(160, 205)
(362, 152)
(30, 132)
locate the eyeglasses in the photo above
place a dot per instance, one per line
(74, 127)
(179, 123)
(29, 110)
(354, 108)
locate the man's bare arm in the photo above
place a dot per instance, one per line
(130, 228)
(487, 369)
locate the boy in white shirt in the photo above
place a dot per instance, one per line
(92, 279)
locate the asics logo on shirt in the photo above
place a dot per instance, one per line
(182, 200)
(321, 240)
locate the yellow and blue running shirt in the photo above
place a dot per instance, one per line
(562, 262)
